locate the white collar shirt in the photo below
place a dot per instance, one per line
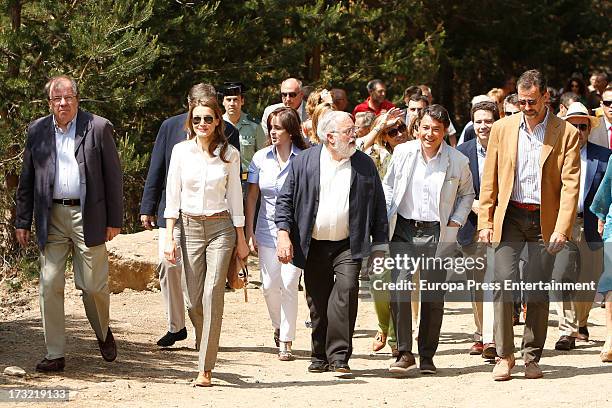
(420, 202)
(332, 220)
(202, 185)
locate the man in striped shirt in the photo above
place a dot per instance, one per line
(528, 195)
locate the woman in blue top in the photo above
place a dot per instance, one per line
(267, 173)
(602, 208)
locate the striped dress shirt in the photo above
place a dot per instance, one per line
(528, 174)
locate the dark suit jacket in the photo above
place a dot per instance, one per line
(597, 162)
(465, 236)
(171, 132)
(298, 203)
(101, 180)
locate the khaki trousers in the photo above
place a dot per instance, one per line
(90, 266)
(208, 245)
(171, 283)
(573, 312)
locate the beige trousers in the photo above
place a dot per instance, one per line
(573, 313)
(208, 245)
(90, 265)
(171, 285)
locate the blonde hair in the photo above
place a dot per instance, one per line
(318, 112)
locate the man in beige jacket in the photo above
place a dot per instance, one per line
(529, 193)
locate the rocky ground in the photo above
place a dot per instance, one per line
(248, 372)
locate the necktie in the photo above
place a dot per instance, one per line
(610, 137)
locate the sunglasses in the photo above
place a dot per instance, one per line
(529, 102)
(207, 119)
(607, 103)
(582, 126)
(288, 94)
(401, 128)
(509, 113)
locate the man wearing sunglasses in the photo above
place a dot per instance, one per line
(375, 101)
(153, 204)
(292, 96)
(582, 261)
(602, 134)
(429, 194)
(528, 194)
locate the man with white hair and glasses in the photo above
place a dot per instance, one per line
(329, 212)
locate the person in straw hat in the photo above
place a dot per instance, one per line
(581, 261)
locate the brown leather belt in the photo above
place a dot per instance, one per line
(219, 215)
(524, 206)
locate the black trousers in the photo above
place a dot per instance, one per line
(417, 242)
(332, 287)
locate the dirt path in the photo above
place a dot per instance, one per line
(249, 374)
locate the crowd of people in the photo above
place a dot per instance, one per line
(320, 193)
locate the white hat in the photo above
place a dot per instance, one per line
(578, 110)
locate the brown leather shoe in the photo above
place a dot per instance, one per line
(204, 379)
(394, 351)
(476, 348)
(503, 368)
(533, 370)
(379, 341)
(108, 348)
(488, 351)
(49, 366)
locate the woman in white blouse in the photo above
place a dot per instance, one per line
(204, 204)
(267, 174)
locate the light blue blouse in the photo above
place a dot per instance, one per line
(266, 172)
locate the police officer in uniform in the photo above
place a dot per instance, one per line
(252, 137)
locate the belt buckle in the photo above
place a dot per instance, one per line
(418, 224)
(66, 202)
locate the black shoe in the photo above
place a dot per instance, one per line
(277, 337)
(50, 366)
(583, 333)
(565, 343)
(170, 338)
(427, 366)
(340, 367)
(108, 348)
(318, 367)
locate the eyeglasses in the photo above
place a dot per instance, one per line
(607, 103)
(529, 102)
(348, 131)
(582, 126)
(58, 99)
(207, 119)
(401, 128)
(288, 94)
(509, 113)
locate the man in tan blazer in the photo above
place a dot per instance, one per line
(529, 193)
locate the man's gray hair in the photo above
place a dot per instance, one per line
(327, 123)
(53, 81)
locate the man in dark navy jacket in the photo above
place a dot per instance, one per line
(328, 212)
(582, 261)
(484, 114)
(171, 132)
